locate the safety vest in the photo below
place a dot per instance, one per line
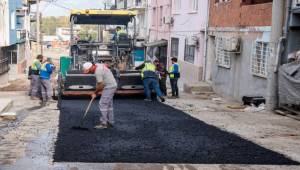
(148, 70)
(43, 67)
(121, 32)
(171, 69)
(34, 66)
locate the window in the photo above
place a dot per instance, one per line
(177, 5)
(174, 47)
(154, 17)
(13, 21)
(160, 15)
(223, 57)
(260, 55)
(194, 5)
(189, 52)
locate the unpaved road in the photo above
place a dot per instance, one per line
(29, 143)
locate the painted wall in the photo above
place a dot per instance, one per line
(4, 23)
(159, 31)
(188, 23)
(14, 21)
(238, 81)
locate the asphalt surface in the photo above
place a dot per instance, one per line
(152, 133)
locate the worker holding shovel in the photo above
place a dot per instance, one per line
(108, 85)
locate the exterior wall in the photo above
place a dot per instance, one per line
(250, 23)
(238, 81)
(189, 24)
(4, 23)
(234, 14)
(157, 31)
(14, 21)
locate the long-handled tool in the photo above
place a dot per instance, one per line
(83, 118)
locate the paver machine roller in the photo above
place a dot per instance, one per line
(117, 51)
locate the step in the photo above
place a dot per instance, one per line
(201, 87)
(5, 104)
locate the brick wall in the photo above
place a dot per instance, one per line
(234, 14)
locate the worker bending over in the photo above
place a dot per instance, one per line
(174, 74)
(34, 90)
(107, 84)
(47, 69)
(150, 80)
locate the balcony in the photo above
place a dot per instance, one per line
(21, 35)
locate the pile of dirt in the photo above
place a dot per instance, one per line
(152, 133)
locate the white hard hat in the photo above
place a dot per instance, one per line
(87, 65)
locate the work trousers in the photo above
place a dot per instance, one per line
(174, 86)
(151, 83)
(106, 105)
(35, 86)
(46, 90)
(163, 86)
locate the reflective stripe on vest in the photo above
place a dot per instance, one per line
(148, 67)
(33, 65)
(43, 67)
(171, 69)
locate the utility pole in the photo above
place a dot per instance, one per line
(276, 34)
(38, 40)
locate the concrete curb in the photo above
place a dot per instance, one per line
(5, 105)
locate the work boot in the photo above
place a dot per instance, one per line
(148, 100)
(34, 98)
(101, 126)
(110, 125)
(162, 99)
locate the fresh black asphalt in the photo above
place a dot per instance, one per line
(152, 133)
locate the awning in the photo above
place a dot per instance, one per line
(157, 43)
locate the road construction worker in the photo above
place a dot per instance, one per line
(174, 74)
(34, 74)
(162, 74)
(47, 69)
(106, 84)
(150, 80)
(119, 31)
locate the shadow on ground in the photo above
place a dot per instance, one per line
(152, 133)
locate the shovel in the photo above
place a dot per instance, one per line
(80, 127)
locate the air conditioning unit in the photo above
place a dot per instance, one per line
(192, 41)
(232, 44)
(168, 20)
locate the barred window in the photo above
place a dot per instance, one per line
(189, 52)
(3, 62)
(260, 55)
(222, 56)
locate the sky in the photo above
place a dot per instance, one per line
(62, 7)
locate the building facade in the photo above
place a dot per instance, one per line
(238, 48)
(187, 37)
(159, 30)
(15, 27)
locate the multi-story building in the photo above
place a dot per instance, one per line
(238, 49)
(188, 23)
(15, 29)
(159, 11)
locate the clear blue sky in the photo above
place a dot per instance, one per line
(61, 7)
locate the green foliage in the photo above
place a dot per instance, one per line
(49, 24)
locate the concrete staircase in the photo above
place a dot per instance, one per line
(200, 88)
